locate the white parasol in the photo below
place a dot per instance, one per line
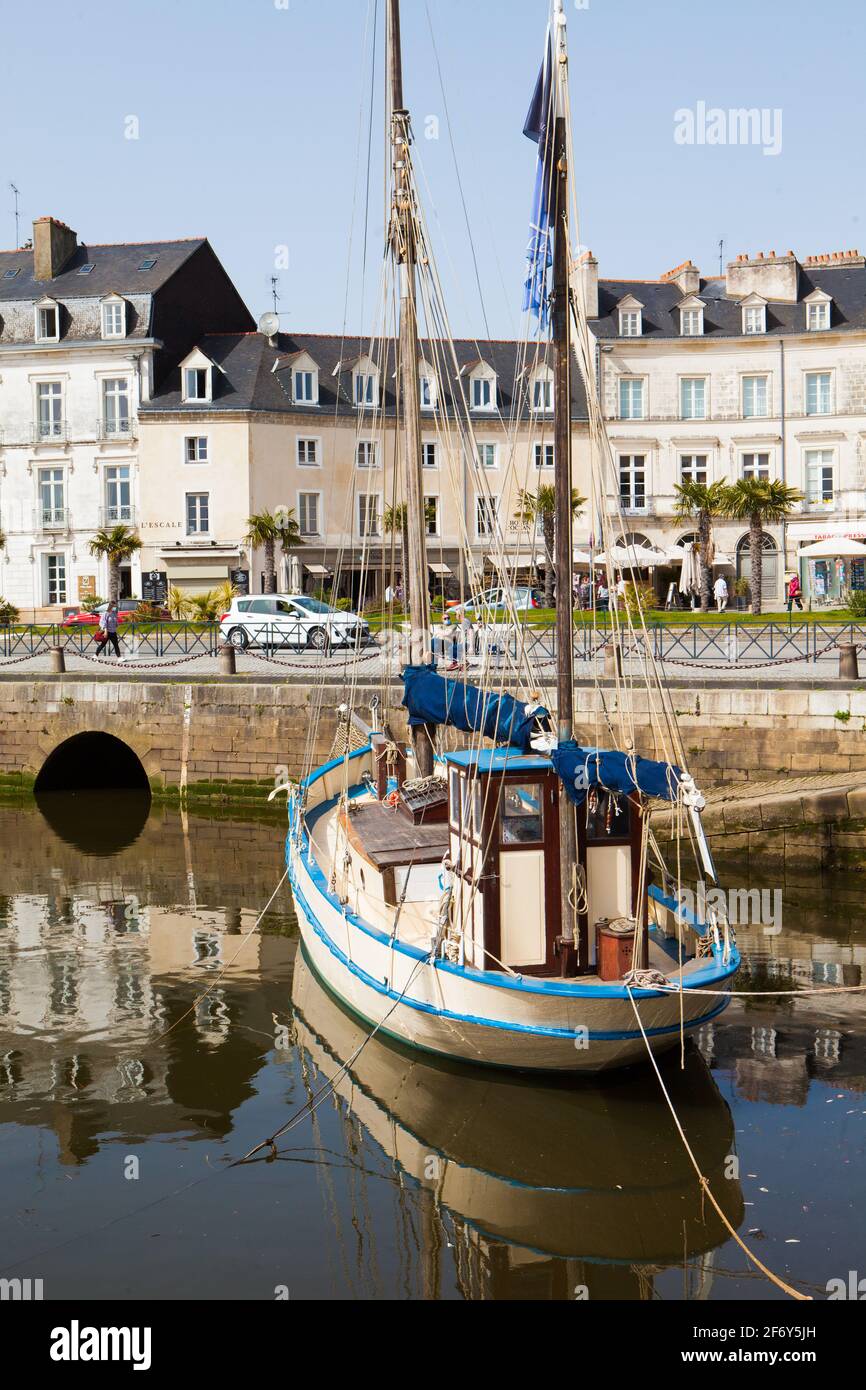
(690, 574)
(637, 557)
(834, 548)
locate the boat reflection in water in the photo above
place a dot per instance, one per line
(555, 1186)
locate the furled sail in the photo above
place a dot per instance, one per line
(582, 768)
(431, 699)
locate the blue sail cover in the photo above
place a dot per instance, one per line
(582, 768)
(431, 699)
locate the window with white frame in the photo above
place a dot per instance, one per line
(819, 478)
(486, 512)
(195, 449)
(818, 393)
(197, 513)
(632, 482)
(308, 453)
(115, 405)
(306, 387)
(114, 319)
(428, 454)
(693, 468)
(47, 323)
(49, 409)
(544, 455)
(817, 316)
(368, 514)
(431, 515)
(118, 494)
(691, 323)
(366, 393)
(427, 387)
(630, 323)
(693, 398)
(756, 397)
(52, 499)
(755, 318)
(631, 398)
(54, 577)
(196, 384)
(487, 454)
(482, 394)
(756, 465)
(308, 513)
(367, 453)
(542, 393)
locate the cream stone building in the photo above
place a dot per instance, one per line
(761, 372)
(86, 333)
(249, 423)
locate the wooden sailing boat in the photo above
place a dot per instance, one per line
(508, 904)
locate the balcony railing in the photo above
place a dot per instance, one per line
(49, 432)
(120, 514)
(108, 428)
(51, 519)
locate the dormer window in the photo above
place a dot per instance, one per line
(630, 317)
(365, 391)
(542, 393)
(817, 311)
(428, 388)
(305, 388)
(47, 322)
(196, 384)
(691, 318)
(113, 317)
(754, 316)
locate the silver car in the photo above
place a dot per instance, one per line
(290, 620)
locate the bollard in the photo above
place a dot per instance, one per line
(56, 661)
(226, 664)
(848, 668)
(613, 660)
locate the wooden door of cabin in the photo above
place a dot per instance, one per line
(520, 880)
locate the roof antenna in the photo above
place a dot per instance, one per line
(274, 293)
(721, 257)
(17, 217)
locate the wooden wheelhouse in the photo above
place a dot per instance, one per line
(504, 844)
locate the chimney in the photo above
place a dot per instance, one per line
(686, 277)
(587, 269)
(772, 277)
(54, 245)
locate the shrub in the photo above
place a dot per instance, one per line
(855, 600)
(89, 604)
(8, 613)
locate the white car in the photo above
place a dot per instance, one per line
(290, 620)
(492, 599)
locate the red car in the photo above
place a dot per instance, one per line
(126, 611)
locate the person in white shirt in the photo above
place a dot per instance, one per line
(720, 593)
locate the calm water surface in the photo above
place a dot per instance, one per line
(125, 1094)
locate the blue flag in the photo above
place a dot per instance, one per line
(540, 127)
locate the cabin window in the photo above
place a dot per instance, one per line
(522, 813)
(454, 799)
(608, 818)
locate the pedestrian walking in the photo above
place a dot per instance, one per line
(795, 593)
(108, 631)
(720, 593)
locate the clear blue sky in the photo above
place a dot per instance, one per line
(249, 117)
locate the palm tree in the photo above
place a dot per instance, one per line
(178, 602)
(761, 504)
(396, 518)
(541, 506)
(703, 502)
(115, 544)
(289, 530)
(263, 532)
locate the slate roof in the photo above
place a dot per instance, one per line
(723, 316)
(114, 268)
(246, 380)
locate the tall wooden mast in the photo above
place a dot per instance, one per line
(573, 951)
(402, 235)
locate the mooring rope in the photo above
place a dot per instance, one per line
(704, 1182)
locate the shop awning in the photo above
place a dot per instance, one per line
(197, 572)
(439, 569)
(316, 569)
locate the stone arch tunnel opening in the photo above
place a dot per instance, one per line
(92, 762)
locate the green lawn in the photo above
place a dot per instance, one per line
(546, 617)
